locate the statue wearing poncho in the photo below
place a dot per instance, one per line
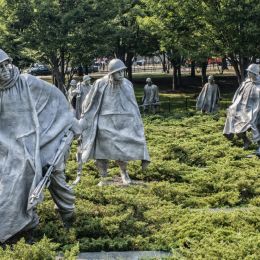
(244, 113)
(78, 92)
(150, 97)
(111, 122)
(209, 97)
(34, 116)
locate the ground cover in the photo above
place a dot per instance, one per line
(199, 198)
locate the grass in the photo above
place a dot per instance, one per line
(199, 198)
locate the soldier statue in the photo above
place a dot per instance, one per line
(151, 96)
(112, 125)
(78, 92)
(209, 97)
(34, 120)
(72, 95)
(244, 113)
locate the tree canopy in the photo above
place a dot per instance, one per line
(65, 33)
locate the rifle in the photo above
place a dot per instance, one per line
(45, 181)
(79, 148)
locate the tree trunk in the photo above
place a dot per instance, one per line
(58, 79)
(57, 75)
(164, 63)
(179, 79)
(224, 63)
(86, 69)
(235, 65)
(243, 66)
(62, 65)
(204, 72)
(174, 78)
(192, 69)
(169, 65)
(120, 51)
(129, 59)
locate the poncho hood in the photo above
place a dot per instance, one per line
(5, 84)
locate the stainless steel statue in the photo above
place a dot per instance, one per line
(151, 96)
(112, 125)
(244, 113)
(209, 97)
(78, 92)
(72, 95)
(34, 117)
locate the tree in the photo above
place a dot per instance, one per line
(234, 28)
(164, 21)
(14, 17)
(58, 32)
(128, 38)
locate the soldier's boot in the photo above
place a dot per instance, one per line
(68, 218)
(229, 136)
(245, 139)
(144, 164)
(145, 110)
(153, 109)
(102, 166)
(124, 174)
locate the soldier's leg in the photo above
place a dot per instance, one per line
(229, 136)
(63, 196)
(102, 166)
(145, 109)
(258, 149)
(245, 139)
(124, 174)
(153, 108)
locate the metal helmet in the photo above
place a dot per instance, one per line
(253, 68)
(86, 77)
(73, 82)
(116, 65)
(148, 80)
(4, 56)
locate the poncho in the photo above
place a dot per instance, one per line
(244, 113)
(72, 95)
(208, 98)
(33, 118)
(150, 94)
(112, 124)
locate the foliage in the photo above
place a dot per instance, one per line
(61, 33)
(233, 28)
(201, 29)
(181, 31)
(127, 38)
(44, 249)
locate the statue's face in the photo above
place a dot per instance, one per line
(149, 82)
(251, 75)
(5, 70)
(118, 76)
(87, 82)
(211, 80)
